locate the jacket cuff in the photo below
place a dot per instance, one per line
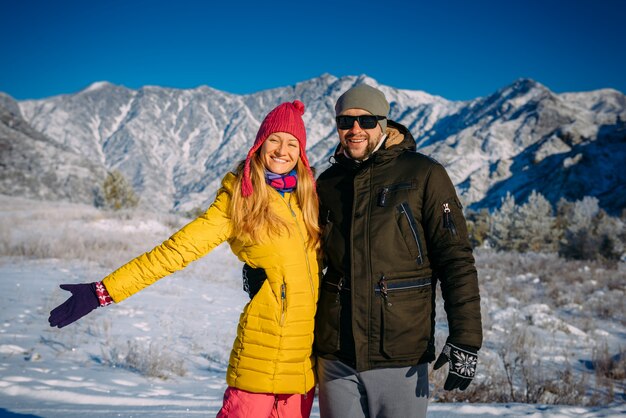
(103, 295)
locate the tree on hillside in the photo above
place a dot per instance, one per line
(580, 230)
(478, 226)
(118, 192)
(536, 228)
(501, 224)
(529, 227)
(589, 232)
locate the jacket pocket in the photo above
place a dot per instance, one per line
(405, 314)
(386, 191)
(328, 317)
(410, 232)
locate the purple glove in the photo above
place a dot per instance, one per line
(84, 299)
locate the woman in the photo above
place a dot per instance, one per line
(268, 213)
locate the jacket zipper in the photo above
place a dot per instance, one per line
(404, 209)
(283, 288)
(447, 219)
(339, 287)
(283, 303)
(384, 193)
(384, 287)
(306, 255)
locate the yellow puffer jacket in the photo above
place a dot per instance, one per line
(273, 349)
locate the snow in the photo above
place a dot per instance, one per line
(96, 86)
(56, 373)
(181, 328)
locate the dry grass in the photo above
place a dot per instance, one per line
(69, 231)
(146, 359)
(512, 367)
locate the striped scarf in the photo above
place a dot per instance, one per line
(283, 183)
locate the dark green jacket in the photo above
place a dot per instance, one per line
(392, 225)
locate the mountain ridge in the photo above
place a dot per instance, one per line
(175, 145)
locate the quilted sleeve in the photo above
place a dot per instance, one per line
(188, 244)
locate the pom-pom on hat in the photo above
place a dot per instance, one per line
(286, 117)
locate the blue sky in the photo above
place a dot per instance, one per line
(456, 49)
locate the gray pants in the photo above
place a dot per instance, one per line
(382, 393)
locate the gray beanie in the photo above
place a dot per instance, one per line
(367, 98)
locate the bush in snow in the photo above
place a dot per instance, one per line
(118, 192)
(607, 365)
(478, 227)
(589, 232)
(147, 360)
(580, 230)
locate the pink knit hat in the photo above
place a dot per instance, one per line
(286, 117)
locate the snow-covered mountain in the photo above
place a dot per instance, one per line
(35, 165)
(175, 145)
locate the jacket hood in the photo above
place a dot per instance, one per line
(398, 139)
(399, 136)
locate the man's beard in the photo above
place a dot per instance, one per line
(366, 152)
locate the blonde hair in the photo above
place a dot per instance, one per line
(253, 218)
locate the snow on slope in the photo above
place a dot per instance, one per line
(175, 145)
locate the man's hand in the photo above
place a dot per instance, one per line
(252, 279)
(462, 361)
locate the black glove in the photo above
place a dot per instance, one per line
(84, 299)
(462, 361)
(252, 279)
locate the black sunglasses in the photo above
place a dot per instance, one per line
(365, 121)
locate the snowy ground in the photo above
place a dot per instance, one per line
(160, 353)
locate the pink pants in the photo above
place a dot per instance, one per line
(241, 404)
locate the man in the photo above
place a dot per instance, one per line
(392, 226)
